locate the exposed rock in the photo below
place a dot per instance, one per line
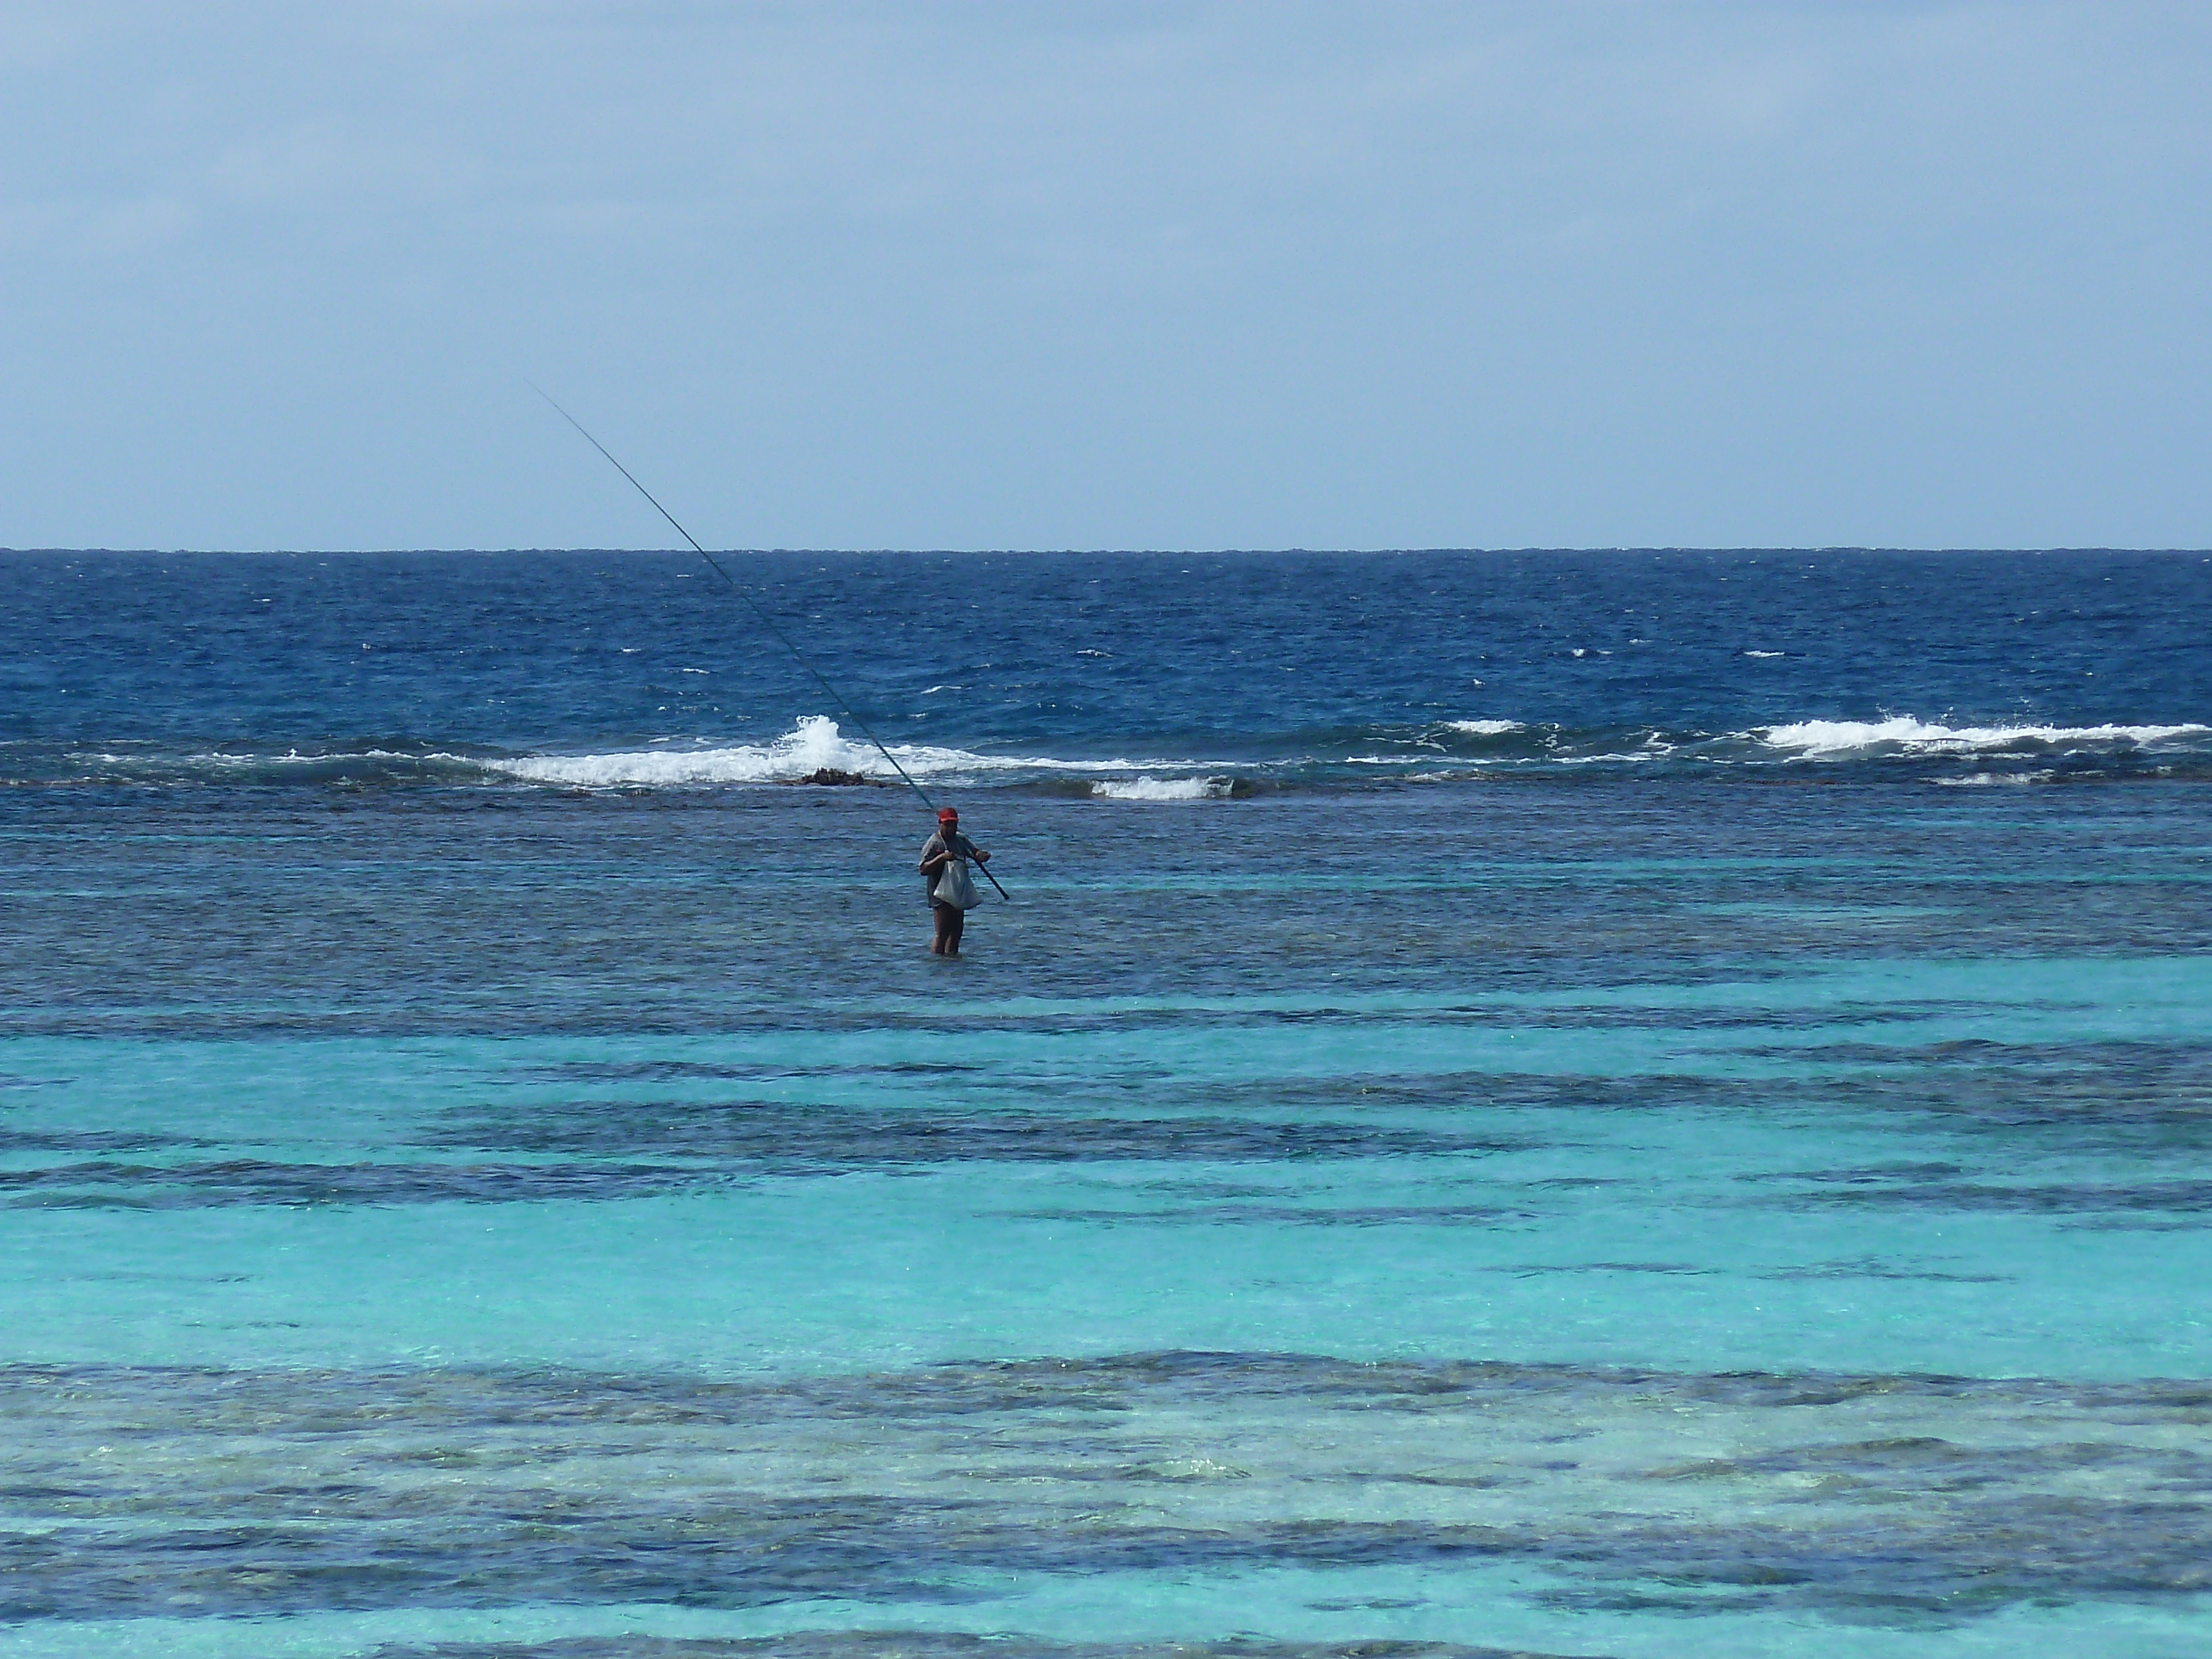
(830, 776)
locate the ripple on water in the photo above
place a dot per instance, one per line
(1880, 1499)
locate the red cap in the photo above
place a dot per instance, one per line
(946, 815)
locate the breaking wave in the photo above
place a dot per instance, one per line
(815, 748)
(1485, 728)
(1149, 788)
(2039, 752)
(369, 764)
(814, 745)
(1903, 734)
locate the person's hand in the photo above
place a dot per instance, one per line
(982, 857)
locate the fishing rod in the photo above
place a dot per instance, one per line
(766, 621)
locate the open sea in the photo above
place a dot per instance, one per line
(1641, 1104)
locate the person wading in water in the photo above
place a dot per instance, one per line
(947, 853)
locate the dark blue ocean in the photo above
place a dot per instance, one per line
(1641, 1104)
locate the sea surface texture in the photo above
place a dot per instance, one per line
(1635, 1104)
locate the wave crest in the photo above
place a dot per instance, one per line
(1903, 734)
(1150, 788)
(1358, 756)
(1485, 728)
(814, 743)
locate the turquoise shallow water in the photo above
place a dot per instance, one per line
(1666, 1209)
(1520, 1176)
(1703, 1253)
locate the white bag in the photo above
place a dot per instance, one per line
(956, 887)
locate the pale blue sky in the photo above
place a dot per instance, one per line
(1144, 275)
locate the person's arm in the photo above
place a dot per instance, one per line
(970, 850)
(935, 855)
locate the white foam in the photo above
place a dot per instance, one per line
(813, 744)
(1765, 653)
(220, 761)
(1485, 728)
(1988, 779)
(1164, 788)
(1905, 734)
